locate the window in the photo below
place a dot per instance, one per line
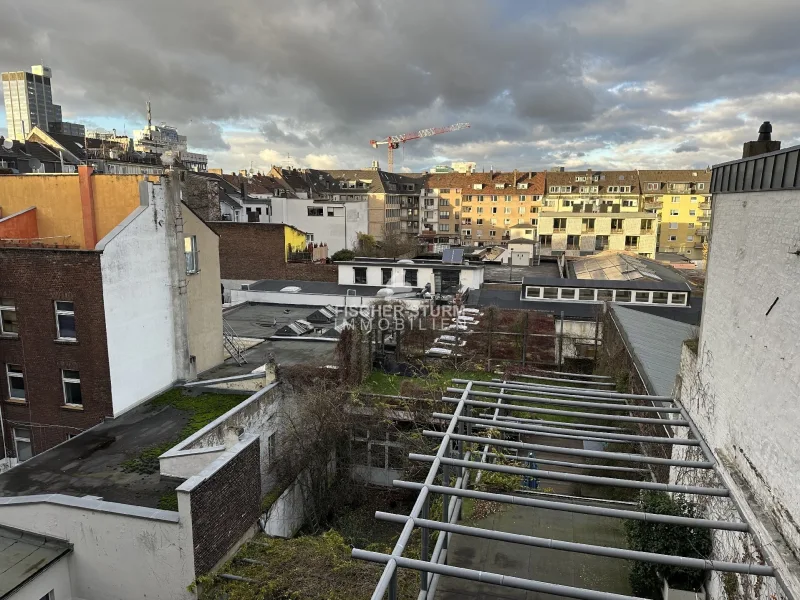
(701, 186)
(676, 199)
(522, 186)
(522, 210)
(550, 293)
(534, 209)
(629, 203)
(8, 317)
(386, 276)
(499, 186)
(641, 297)
(479, 232)
(601, 242)
(533, 221)
(692, 213)
(660, 297)
(479, 221)
(494, 198)
(647, 225)
(573, 242)
(586, 295)
(652, 186)
(689, 238)
(673, 238)
(468, 232)
(507, 210)
(410, 277)
(559, 224)
(508, 198)
(673, 225)
(444, 214)
(690, 225)
(314, 211)
(492, 233)
(16, 382)
(545, 241)
(480, 198)
(522, 198)
(694, 199)
(359, 274)
(272, 450)
(623, 296)
(605, 295)
(309, 238)
(444, 202)
(674, 212)
(580, 178)
(65, 320)
(631, 242)
(588, 224)
(71, 381)
(616, 225)
(533, 292)
(494, 210)
(22, 443)
(567, 293)
(445, 190)
(192, 254)
(444, 227)
(677, 298)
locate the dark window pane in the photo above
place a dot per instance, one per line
(642, 296)
(586, 295)
(377, 456)
(386, 276)
(605, 295)
(623, 296)
(72, 393)
(660, 297)
(68, 306)
(9, 321)
(411, 277)
(66, 326)
(550, 292)
(360, 274)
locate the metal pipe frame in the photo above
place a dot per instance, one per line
(580, 381)
(558, 402)
(581, 375)
(571, 477)
(528, 540)
(584, 509)
(621, 456)
(574, 413)
(597, 435)
(432, 567)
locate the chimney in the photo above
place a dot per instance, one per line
(514, 183)
(764, 144)
(243, 189)
(87, 206)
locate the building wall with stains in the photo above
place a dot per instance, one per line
(742, 388)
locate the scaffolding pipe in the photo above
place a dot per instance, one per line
(509, 427)
(491, 578)
(621, 456)
(573, 478)
(600, 511)
(537, 542)
(512, 419)
(387, 577)
(614, 437)
(559, 402)
(578, 414)
(571, 465)
(580, 381)
(580, 391)
(591, 376)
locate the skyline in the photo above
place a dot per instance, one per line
(604, 84)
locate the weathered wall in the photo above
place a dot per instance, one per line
(256, 251)
(35, 279)
(139, 311)
(19, 225)
(120, 552)
(201, 194)
(204, 320)
(338, 230)
(745, 384)
(55, 578)
(225, 501)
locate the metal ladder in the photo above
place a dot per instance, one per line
(231, 343)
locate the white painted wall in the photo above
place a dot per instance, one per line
(469, 278)
(116, 555)
(314, 299)
(138, 304)
(742, 390)
(339, 230)
(56, 579)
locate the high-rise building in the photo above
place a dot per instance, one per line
(29, 103)
(159, 139)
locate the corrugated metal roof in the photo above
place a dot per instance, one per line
(655, 344)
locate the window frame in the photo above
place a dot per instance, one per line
(357, 271)
(406, 273)
(9, 308)
(17, 375)
(682, 302)
(65, 313)
(20, 438)
(192, 254)
(537, 296)
(384, 270)
(65, 380)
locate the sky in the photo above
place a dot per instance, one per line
(602, 84)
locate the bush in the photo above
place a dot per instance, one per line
(662, 538)
(343, 255)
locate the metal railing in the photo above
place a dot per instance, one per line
(232, 343)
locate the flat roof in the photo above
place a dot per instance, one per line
(260, 320)
(323, 287)
(23, 555)
(285, 353)
(91, 464)
(497, 273)
(611, 284)
(415, 265)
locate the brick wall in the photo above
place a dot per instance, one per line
(35, 278)
(224, 506)
(257, 251)
(202, 194)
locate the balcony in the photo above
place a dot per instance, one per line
(701, 231)
(704, 219)
(559, 230)
(587, 229)
(699, 244)
(632, 247)
(705, 205)
(573, 246)
(653, 204)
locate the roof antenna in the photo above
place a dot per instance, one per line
(149, 116)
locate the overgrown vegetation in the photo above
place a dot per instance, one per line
(343, 255)
(663, 538)
(201, 411)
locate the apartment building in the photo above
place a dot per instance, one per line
(479, 209)
(682, 201)
(110, 293)
(591, 211)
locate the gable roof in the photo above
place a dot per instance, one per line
(676, 176)
(509, 179)
(606, 178)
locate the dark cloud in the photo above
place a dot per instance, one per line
(687, 146)
(608, 82)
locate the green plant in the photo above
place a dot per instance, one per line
(341, 255)
(663, 538)
(169, 501)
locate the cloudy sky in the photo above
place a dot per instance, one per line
(583, 83)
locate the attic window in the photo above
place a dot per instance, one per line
(622, 177)
(522, 186)
(477, 186)
(500, 186)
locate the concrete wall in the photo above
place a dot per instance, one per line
(742, 390)
(19, 225)
(339, 231)
(204, 319)
(138, 304)
(120, 552)
(575, 333)
(314, 299)
(56, 579)
(470, 278)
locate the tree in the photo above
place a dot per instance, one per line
(344, 254)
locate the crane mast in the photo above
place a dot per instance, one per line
(393, 141)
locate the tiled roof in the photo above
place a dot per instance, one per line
(607, 178)
(466, 181)
(675, 176)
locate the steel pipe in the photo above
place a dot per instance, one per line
(573, 478)
(512, 419)
(492, 578)
(571, 465)
(579, 391)
(558, 402)
(585, 509)
(625, 554)
(580, 381)
(584, 375)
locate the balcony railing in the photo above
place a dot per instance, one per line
(587, 230)
(631, 246)
(650, 205)
(702, 231)
(705, 205)
(573, 246)
(699, 244)
(704, 218)
(559, 229)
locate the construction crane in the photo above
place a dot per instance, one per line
(393, 141)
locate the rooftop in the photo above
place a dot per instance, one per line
(320, 287)
(99, 461)
(621, 266)
(506, 273)
(23, 555)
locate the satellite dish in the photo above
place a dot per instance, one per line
(8, 144)
(34, 163)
